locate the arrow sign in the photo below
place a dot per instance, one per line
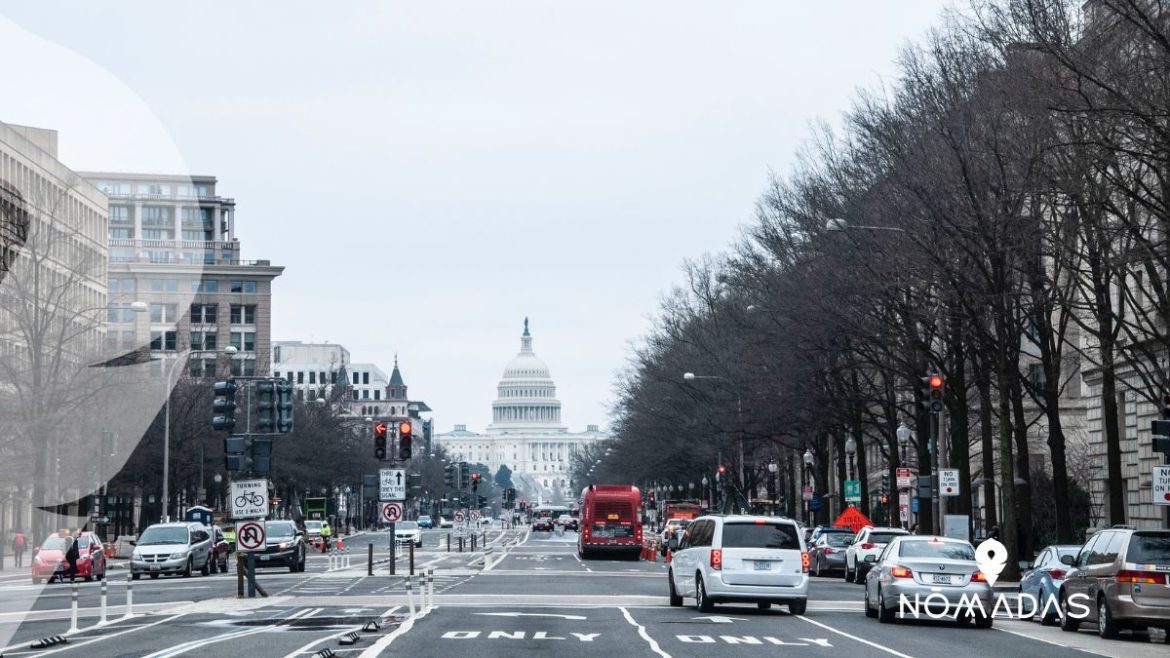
(716, 619)
(529, 614)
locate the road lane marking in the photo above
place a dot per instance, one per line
(332, 636)
(75, 644)
(854, 637)
(645, 636)
(376, 648)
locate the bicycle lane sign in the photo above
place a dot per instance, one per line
(249, 499)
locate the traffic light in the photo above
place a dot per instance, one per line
(405, 429)
(380, 440)
(224, 405)
(935, 390)
(450, 474)
(885, 481)
(474, 482)
(243, 452)
(284, 406)
(266, 406)
(1161, 429)
(464, 474)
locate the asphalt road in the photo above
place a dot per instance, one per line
(531, 594)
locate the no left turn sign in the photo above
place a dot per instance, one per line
(250, 536)
(391, 512)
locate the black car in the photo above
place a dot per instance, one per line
(285, 547)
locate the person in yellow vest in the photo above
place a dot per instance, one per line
(326, 534)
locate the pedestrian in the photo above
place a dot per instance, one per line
(19, 546)
(72, 554)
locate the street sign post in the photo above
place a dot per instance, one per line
(853, 491)
(475, 516)
(948, 482)
(904, 479)
(1160, 492)
(392, 484)
(251, 536)
(249, 499)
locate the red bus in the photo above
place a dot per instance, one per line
(681, 509)
(611, 521)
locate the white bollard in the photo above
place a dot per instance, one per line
(431, 586)
(73, 610)
(129, 595)
(103, 619)
(347, 556)
(409, 595)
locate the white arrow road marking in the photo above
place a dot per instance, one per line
(528, 614)
(716, 619)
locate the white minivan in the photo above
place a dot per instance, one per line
(740, 558)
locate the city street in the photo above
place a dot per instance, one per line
(533, 594)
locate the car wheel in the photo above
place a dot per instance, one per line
(1107, 626)
(675, 598)
(89, 578)
(1067, 622)
(223, 566)
(885, 615)
(206, 568)
(849, 577)
(702, 602)
(764, 605)
(135, 576)
(869, 609)
(817, 571)
(982, 619)
(187, 569)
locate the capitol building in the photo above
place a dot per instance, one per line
(526, 433)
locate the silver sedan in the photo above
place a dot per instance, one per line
(928, 578)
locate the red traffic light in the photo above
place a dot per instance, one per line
(404, 428)
(380, 429)
(475, 476)
(722, 470)
(936, 381)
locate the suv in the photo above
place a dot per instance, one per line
(176, 548)
(740, 558)
(1124, 574)
(869, 541)
(284, 546)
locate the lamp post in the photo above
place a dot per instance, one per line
(851, 451)
(903, 434)
(690, 377)
(808, 464)
(774, 469)
(706, 491)
(218, 479)
(839, 225)
(166, 480)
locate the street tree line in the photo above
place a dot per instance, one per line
(996, 215)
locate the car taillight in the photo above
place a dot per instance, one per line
(828, 550)
(804, 562)
(1141, 577)
(901, 572)
(978, 577)
(716, 559)
(1058, 574)
(866, 546)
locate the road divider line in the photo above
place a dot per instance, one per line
(376, 648)
(645, 636)
(875, 645)
(308, 647)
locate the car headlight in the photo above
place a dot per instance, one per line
(180, 554)
(86, 556)
(285, 545)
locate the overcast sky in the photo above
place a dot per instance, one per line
(429, 173)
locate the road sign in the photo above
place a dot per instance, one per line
(392, 512)
(460, 519)
(814, 503)
(475, 516)
(1160, 492)
(249, 499)
(904, 478)
(853, 491)
(392, 483)
(914, 505)
(250, 536)
(806, 492)
(948, 482)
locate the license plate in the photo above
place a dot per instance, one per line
(265, 558)
(763, 565)
(156, 567)
(942, 579)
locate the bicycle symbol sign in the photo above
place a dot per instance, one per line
(250, 536)
(249, 499)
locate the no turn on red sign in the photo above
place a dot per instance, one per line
(250, 536)
(391, 512)
(948, 482)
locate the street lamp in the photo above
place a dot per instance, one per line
(166, 483)
(808, 462)
(838, 225)
(851, 450)
(903, 434)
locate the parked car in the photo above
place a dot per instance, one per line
(172, 548)
(940, 571)
(444, 522)
(822, 529)
(284, 546)
(1124, 574)
(869, 541)
(424, 521)
(670, 530)
(221, 550)
(827, 553)
(408, 532)
(49, 563)
(1044, 579)
(567, 522)
(740, 558)
(313, 529)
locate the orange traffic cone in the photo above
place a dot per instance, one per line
(340, 546)
(667, 556)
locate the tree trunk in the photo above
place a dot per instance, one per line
(987, 441)
(1008, 533)
(1023, 466)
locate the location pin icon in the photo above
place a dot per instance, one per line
(991, 556)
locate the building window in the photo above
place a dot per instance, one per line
(120, 215)
(365, 378)
(244, 341)
(312, 377)
(121, 285)
(243, 314)
(377, 394)
(203, 368)
(204, 340)
(205, 285)
(356, 379)
(120, 313)
(204, 313)
(355, 394)
(164, 285)
(163, 313)
(242, 286)
(300, 377)
(166, 341)
(366, 394)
